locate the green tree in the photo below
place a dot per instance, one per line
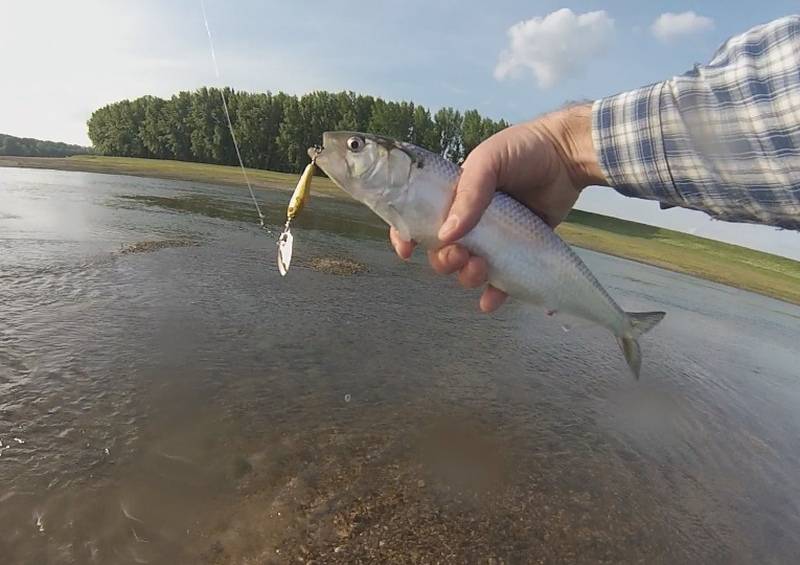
(273, 130)
(178, 128)
(30, 147)
(392, 119)
(472, 131)
(258, 118)
(355, 112)
(211, 137)
(491, 127)
(448, 130)
(291, 133)
(304, 121)
(154, 128)
(423, 130)
(11, 146)
(114, 129)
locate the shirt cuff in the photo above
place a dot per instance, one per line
(627, 136)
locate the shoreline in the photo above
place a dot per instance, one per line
(731, 265)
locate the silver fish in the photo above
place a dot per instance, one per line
(412, 188)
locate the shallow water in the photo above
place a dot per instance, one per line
(188, 405)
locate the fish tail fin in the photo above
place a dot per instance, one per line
(643, 322)
(639, 323)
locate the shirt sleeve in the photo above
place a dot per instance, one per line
(723, 138)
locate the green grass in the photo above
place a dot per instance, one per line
(177, 170)
(713, 260)
(721, 262)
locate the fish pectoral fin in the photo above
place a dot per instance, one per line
(396, 221)
(402, 231)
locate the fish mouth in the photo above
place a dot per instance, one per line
(315, 151)
(321, 157)
(328, 140)
(329, 159)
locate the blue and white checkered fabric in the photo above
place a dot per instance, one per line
(723, 138)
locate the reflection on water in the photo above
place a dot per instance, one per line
(188, 404)
(344, 219)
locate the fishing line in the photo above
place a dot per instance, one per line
(228, 118)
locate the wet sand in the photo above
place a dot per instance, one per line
(150, 246)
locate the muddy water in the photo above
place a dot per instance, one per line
(166, 397)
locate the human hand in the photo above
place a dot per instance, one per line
(544, 163)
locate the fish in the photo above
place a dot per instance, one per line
(412, 188)
(299, 198)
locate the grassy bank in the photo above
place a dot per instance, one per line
(175, 170)
(721, 262)
(713, 260)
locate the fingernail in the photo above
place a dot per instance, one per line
(448, 227)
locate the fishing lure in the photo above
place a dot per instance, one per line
(296, 203)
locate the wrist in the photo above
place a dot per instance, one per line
(571, 129)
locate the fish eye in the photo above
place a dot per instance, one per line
(355, 143)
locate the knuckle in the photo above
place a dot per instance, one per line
(436, 263)
(452, 258)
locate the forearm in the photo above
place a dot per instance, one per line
(629, 143)
(723, 138)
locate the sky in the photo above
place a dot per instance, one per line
(507, 58)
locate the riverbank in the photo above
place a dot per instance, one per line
(732, 265)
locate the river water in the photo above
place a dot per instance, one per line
(188, 405)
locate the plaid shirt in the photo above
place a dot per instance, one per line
(723, 138)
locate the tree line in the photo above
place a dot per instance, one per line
(30, 147)
(273, 130)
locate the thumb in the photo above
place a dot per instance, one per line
(473, 194)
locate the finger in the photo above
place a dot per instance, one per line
(448, 259)
(492, 298)
(474, 273)
(473, 194)
(403, 248)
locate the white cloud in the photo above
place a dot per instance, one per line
(671, 25)
(554, 46)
